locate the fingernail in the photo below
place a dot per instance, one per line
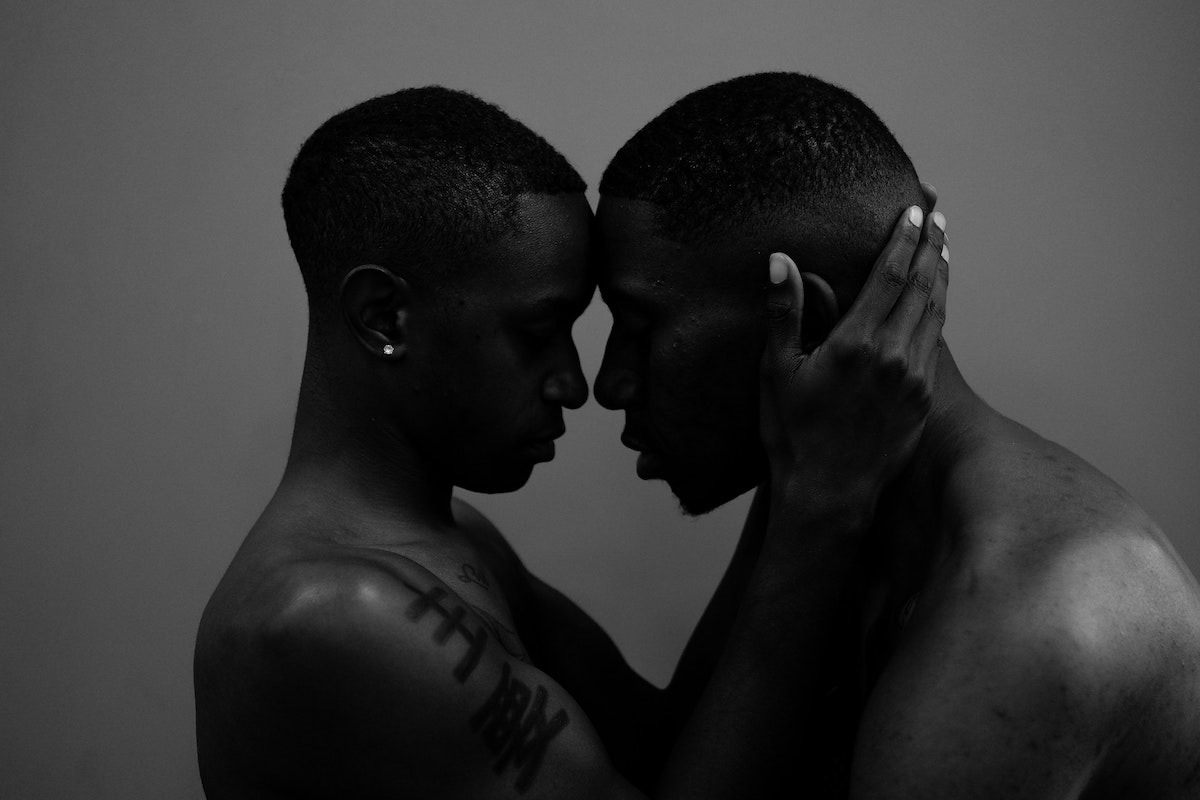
(939, 219)
(778, 268)
(945, 254)
(915, 215)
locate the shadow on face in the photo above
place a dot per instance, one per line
(682, 358)
(493, 363)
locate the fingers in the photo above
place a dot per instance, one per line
(889, 276)
(929, 330)
(930, 195)
(785, 309)
(911, 307)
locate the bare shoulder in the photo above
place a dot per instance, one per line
(484, 535)
(1055, 650)
(365, 676)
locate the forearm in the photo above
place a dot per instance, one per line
(761, 712)
(707, 642)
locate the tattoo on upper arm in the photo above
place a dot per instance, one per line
(517, 739)
(513, 722)
(452, 623)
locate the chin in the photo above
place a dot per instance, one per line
(497, 483)
(699, 497)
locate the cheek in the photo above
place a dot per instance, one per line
(717, 363)
(706, 389)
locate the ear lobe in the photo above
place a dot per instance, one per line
(821, 311)
(375, 304)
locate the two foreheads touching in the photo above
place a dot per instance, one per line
(418, 181)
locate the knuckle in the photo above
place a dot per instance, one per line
(778, 310)
(921, 282)
(852, 352)
(922, 400)
(893, 364)
(894, 274)
(936, 310)
(913, 381)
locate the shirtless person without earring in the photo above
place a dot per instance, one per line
(1015, 625)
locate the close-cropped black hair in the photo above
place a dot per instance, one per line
(408, 180)
(760, 147)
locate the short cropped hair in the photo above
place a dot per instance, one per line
(408, 180)
(760, 147)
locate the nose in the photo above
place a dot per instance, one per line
(617, 385)
(566, 386)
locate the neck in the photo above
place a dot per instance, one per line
(350, 455)
(909, 529)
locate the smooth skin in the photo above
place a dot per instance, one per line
(375, 638)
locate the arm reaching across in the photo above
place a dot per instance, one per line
(838, 420)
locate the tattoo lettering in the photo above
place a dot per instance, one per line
(452, 622)
(470, 574)
(517, 732)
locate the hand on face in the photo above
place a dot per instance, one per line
(848, 415)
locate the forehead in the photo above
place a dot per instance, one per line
(636, 263)
(632, 260)
(546, 257)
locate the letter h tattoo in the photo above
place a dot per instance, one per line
(514, 736)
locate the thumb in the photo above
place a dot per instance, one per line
(785, 309)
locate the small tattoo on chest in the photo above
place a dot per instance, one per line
(505, 635)
(470, 574)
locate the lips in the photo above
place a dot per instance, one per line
(540, 450)
(635, 437)
(632, 442)
(557, 431)
(650, 463)
(541, 446)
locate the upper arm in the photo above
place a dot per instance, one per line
(403, 693)
(988, 698)
(564, 641)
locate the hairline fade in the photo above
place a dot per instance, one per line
(412, 180)
(744, 154)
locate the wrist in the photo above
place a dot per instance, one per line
(823, 493)
(816, 515)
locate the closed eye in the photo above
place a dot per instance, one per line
(542, 331)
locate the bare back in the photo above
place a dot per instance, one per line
(1054, 651)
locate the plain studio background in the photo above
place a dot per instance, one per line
(152, 320)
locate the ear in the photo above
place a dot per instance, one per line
(821, 311)
(375, 305)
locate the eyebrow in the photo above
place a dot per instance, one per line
(612, 293)
(555, 305)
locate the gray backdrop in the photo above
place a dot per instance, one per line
(152, 320)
